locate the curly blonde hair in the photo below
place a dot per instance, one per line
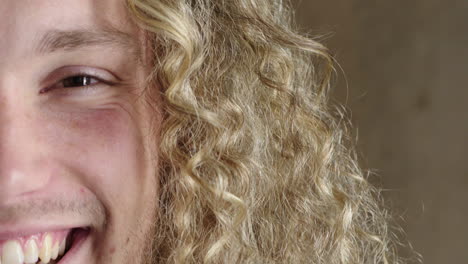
(256, 167)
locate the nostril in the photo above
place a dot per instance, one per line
(15, 183)
(22, 176)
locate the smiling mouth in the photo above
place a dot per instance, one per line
(43, 248)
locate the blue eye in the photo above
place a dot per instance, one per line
(78, 81)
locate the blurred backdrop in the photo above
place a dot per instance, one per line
(406, 63)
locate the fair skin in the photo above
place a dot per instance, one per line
(74, 160)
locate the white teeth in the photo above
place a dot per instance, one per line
(55, 251)
(12, 253)
(31, 253)
(46, 249)
(61, 247)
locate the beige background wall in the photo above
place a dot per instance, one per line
(406, 62)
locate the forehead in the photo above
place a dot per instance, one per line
(23, 22)
(62, 13)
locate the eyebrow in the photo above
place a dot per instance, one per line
(69, 40)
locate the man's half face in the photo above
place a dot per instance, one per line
(77, 180)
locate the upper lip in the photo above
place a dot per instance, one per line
(16, 232)
(24, 225)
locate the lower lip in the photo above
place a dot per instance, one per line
(80, 237)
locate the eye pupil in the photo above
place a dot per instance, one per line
(77, 81)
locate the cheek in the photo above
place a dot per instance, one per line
(103, 150)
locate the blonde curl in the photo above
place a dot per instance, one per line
(256, 167)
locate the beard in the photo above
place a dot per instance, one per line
(148, 250)
(147, 247)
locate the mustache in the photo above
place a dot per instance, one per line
(43, 209)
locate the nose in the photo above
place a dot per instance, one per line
(21, 153)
